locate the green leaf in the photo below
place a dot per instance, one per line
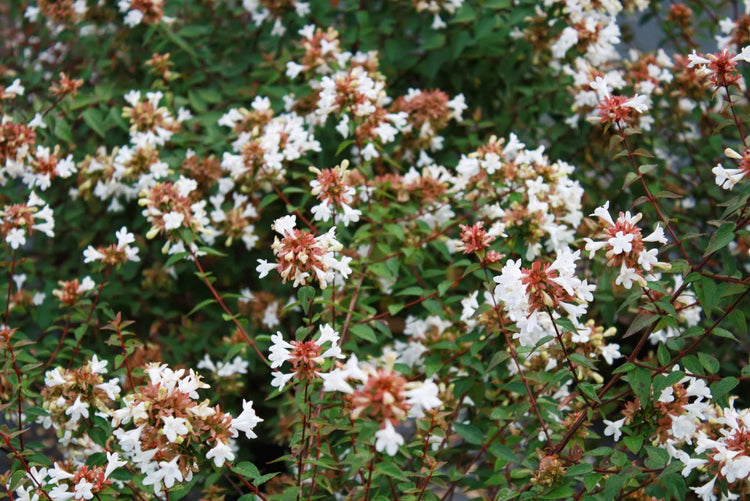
(720, 238)
(94, 119)
(589, 390)
(395, 308)
(709, 362)
(562, 492)
(306, 297)
(179, 256)
(633, 443)
(391, 470)
(211, 251)
(62, 130)
(613, 486)
(641, 321)
(201, 305)
(364, 331)
(471, 434)
(566, 324)
(247, 470)
(721, 388)
(657, 457)
(640, 381)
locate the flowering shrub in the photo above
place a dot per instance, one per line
(374, 250)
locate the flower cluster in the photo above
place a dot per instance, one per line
(435, 7)
(334, 189)
(303, 257)
(260, 10)
(60, 484)
(548, 289)
(624, 247)
(531, 199)
(70, 292)
(161, 421)
(21, 221)
(114, 254)
(74, 396)
(382, 394)
(169, 207)
(306, 357)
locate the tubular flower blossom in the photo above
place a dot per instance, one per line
(618, 109)
(727, 178)
(159, 418)
(302, 257)
(119, 253)
(72, 394)
(534, 297)
(168, 207)
(383, 395)
(720, 67)
(625, 247)
(306, 357)
(20, 221)
(336, 193)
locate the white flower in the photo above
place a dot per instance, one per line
(113, 462)
(220, 453)
(639, 103)
(621, 242)
(53, 378)
(279, 350)
(246, 421)
(667, 395)
(59, 493)
(77, 410)
(170, 472)
(613, 428)
(627, 276)
(124, 237)
(706, 491)
(610, 352)
(280, 379)
(173, 427)
(91, 255)
(264, 267)
(98, 366)
(336, 381)
(657, 236)
(369, 152)
(15, 88)
(388, 439)
(422, 398)
(16, 237)
(727, 178)
(83, 489)
(173, 220)
(87, 284)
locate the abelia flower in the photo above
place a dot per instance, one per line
(21, 221)
(71, 395)
(383, 395)
(169, 206)
(534, 297)
(306, 357)
(720, 67)
(72, 291)
(727, 178)
(388, 439)
(625, 247)
(334, 189)
(162, 415)
(114, 254)
(303, 257)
